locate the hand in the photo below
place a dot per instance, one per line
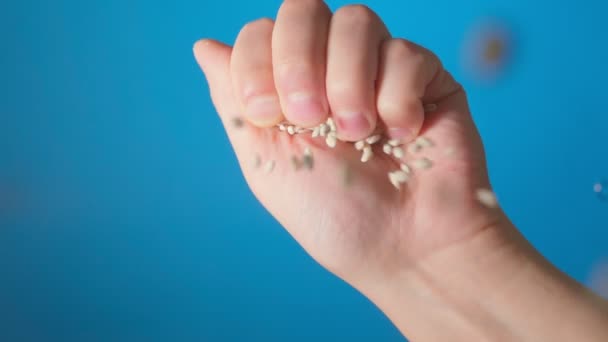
(311, 64)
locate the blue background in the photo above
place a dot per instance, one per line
(123, 216)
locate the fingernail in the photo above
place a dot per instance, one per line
(263, 109)
(402, 134)
(304, 108)
(352, 124)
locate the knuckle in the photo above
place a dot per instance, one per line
(293, 65)
(401, 48)
(314, 4)
(258, 25)
(360, 14)
(412, 55)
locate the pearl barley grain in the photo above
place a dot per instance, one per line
(394, 142)
(331, 139)
(257, 161)
(422, 164)
(487, 198)
(398, 152)
(373, 139)
(323, 130)
(269, 166)
(388, 149)
(424, 142)
(367, 154)
(237, 122)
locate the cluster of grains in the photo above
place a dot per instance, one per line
(391, 147)
(366, 147)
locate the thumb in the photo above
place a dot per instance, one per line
(214, 59)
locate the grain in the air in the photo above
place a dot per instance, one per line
(413, 147)
(269, 166)
(405, 168)
(487, 198)
(295, 162)
(422, 164)
(237, 122)
(424, 142)
(308, 160)
(257, 161)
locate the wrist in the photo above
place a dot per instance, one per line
(450, 288)
(494, 286)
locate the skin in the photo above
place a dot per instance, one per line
(439, 264)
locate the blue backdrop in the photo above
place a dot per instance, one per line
(123, 215)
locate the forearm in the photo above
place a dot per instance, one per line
(492, 287)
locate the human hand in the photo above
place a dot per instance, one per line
(311, 64)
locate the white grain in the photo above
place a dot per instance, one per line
(398, 152)
(394, 142)
(422, 164)
(388, 149)
(424, 142)
(331, 124)
(269, 166)
(331, 140)
(359, 145)
(487, 198)
(373, 139)
(413, 147)
(367, 154)
(323, 130)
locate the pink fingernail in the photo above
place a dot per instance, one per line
(352, 124)
(402, 134)
(263, 109)
(304, 108)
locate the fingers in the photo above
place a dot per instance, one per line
(299, 48)
(408, 75)
(355, 36)
(252, 74)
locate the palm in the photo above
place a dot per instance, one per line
(347, 214)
